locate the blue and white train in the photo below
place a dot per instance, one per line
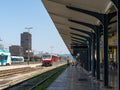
(17, 59)
(5, 57)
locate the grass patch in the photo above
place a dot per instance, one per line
(46, 84)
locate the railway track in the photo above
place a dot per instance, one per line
(13, 76)
(32, 83)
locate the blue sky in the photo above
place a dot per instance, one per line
(15, 15)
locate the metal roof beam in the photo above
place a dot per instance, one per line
(79, 46)
(77, 41)
(78, 38)
(93, 27)
(80, 35)
(99, 16)
(115, 2)
(112, 22)
(111, 15)
(80, 30)
(58, 15)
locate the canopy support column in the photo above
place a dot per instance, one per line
(93, 63)
(98, 53)
(105, 35)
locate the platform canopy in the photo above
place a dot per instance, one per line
(73, 17)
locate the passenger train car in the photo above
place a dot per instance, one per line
(5, 57)
(47, 60)
(17, 59)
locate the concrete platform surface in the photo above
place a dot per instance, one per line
(76, 78)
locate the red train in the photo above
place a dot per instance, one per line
(47, 60)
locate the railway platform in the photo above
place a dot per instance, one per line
(76, 78)
(18, 66)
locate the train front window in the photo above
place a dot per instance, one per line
(3, 57)
(46, 56)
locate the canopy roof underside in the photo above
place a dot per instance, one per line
(66, 15)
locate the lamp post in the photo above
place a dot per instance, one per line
(28, 51)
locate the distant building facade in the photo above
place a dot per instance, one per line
(16, 50)
(26, 43)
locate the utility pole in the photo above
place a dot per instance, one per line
(28, 51)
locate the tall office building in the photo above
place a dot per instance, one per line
(26, 43)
